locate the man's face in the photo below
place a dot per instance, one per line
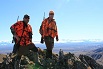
(51, 16)
(26, 20)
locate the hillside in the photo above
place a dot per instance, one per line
(97, 55)
(59, 61)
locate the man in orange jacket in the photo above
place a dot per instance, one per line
(49, 32)
(22, 32)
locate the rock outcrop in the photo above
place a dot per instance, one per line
(59, 61)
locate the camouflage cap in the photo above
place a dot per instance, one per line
(26, 16)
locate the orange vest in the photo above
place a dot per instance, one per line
(49, 28)
(19, 27)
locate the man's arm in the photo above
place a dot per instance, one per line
(30, 33)
(42, 32)
(43, 28)
(14, 32)
(57, 39)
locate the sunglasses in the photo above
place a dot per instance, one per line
(51, 14)
(27, 18)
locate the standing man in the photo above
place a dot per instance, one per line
(49, 32)
(22, 32)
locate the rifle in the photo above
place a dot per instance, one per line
(17, 18)
(41, 32)
(44, 16)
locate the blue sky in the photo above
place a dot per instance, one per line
(76, 19)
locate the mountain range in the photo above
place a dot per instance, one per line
(97, 55)
(66, 45)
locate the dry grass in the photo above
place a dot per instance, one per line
(1, 57)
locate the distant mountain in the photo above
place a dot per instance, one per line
(82, 40)
(3, 43)
(66, 45)
(99, 50)
(97, 55)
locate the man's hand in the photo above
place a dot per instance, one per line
(16, 37)
(30, 40)
(57, 38)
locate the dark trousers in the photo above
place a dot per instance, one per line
(24, 50)
(49, 42)
(14, 49)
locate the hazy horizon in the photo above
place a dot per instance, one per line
(6, 47)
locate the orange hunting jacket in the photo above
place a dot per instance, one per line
(18, 27)
(49, 28)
